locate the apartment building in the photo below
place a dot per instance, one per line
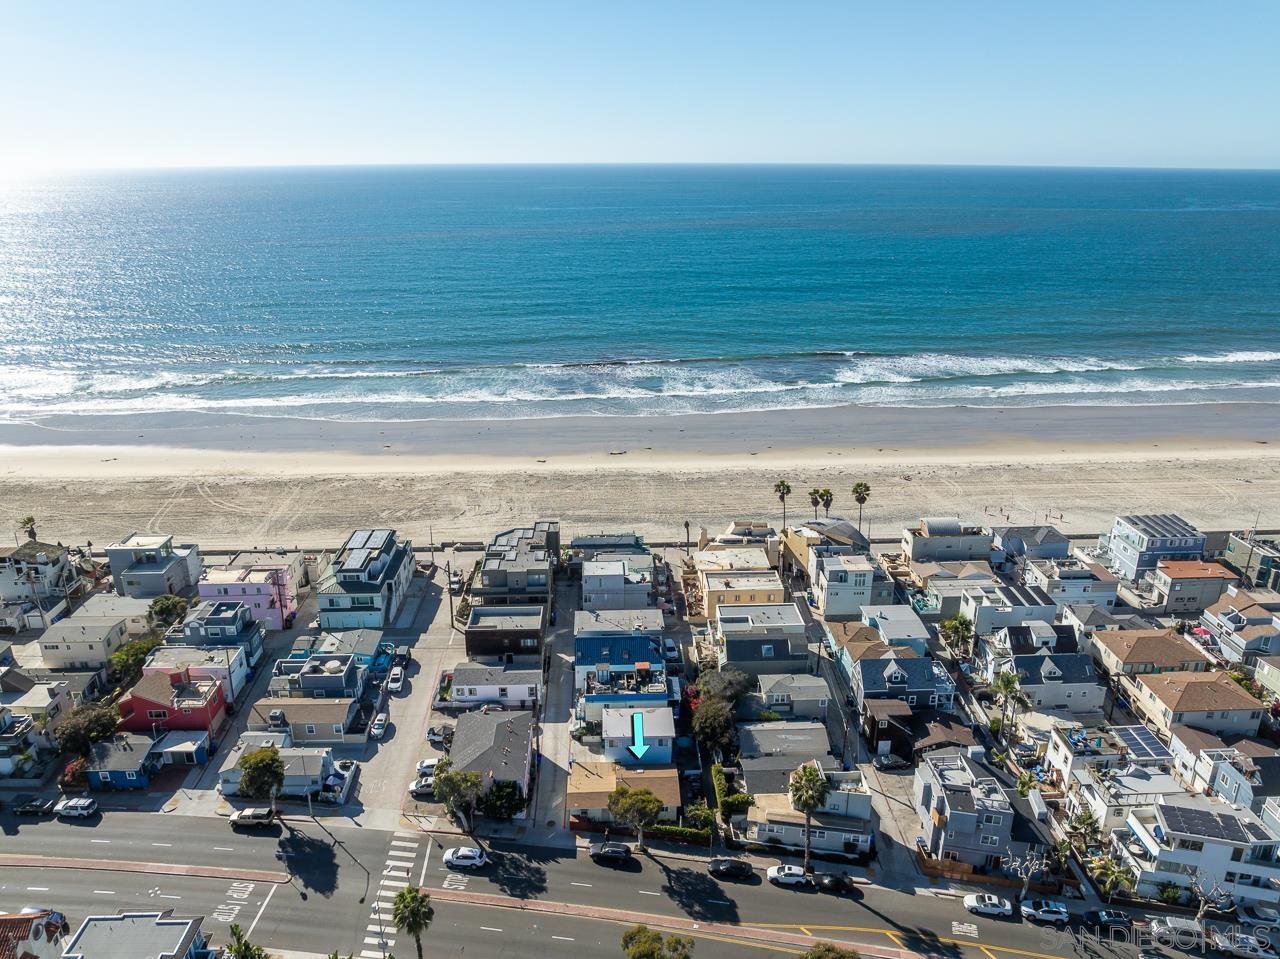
(1138, 542)
(144, 566)
(367, 583)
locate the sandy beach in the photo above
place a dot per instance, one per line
(231, 481)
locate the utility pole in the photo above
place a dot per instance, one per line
(1251, 580)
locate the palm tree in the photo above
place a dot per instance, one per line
(1026, 783)
(241, 948)
(1110, 875)
(28, 526)
(1060, 855)
(827, 498)
(815, 500)
(861, 493)
(958, 632)
(411, 913)
(809, 789)
(1005, 687)
(783, 489)
(1084, 829)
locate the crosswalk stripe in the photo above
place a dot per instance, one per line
(411, 854)
(407, 835)
(395, 883)
(373, 941)
(401, 842)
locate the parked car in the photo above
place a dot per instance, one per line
(378, 728)
(787, 876)
(465, 857)
(422, 786)
(834, 883)
(724, 868)
(253, 818)
(1046, 911)
(1241, 945)
(440, 736)
(670, 651)
(889, 761)
(395, 682)
(1257, 915)
(610, 852)
(76, 808)
(427, 767)
(25, 804)
(985, 904)
(455, 582)
(1107, 919)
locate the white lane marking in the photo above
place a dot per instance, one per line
(422, 879)
(162, 844)
(263, 908)
(490, 929)
(646, 892)
(370, 954)
(37, 888)
(223, 849)
(563, 938)
(586, 884)
(405, 835)
(163, 896)
(401, 842)
(394, 883)
(104, 892)
(402, 854)
(964, 929)
(100, 840)
(371, 941)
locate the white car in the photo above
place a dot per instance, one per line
(1259, 916)
(395, 682)
(670, 651)
(1047, 911)
(1241, 945)
(465, 857)
(378, 728)
(75, 808)
(427, 767)
(786, 875)
(422, 786)
(985, 904)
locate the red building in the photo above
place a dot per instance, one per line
(162, 702)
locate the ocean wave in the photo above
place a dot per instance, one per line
(1237, 356)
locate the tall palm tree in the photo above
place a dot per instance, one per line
(958, 632)
(809, 789)
(815, 500)
(1084, 829)
(411, 913)
(827, 497)
(241, 948)
(1110, 875)
(783, 489)
(1005, 687)
(861, 493)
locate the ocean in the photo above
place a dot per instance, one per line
(407, 293)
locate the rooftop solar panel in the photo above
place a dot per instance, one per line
(378, 539)
(356, 559)
(1142, 742)
(358, 539)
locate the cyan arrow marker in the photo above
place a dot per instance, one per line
(637, 747)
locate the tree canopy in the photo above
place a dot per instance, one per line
(641, 942)
(411, 913)
(729, 684)
(713, 724)
(637, 808)
(828, 950)
(84, 726)
(261, 773)
(127, 661)
(459, 791)
(167, 610)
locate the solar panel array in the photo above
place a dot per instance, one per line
(1198, 821)
(1142, 742)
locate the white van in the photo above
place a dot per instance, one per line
(1177, 931)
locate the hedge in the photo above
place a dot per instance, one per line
(679, 834)
(736, 805)
(719, 784)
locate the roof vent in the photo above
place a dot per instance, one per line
(333, 667)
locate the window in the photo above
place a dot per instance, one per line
(766, 651)
(104, 777)
(991, 820)
(991, 840)
(157, 714)
(533, 692)
(819, 834)
(130, 774)
(883, 724)
(911, 700)
(310, 729)
(822, 704)
(1194, 845)
(337, 728)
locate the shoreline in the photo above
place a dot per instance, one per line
(235, 483)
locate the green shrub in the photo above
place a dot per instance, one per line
(698, 816)
(679, 833)
(736, 805)
(768, 716)
(719, 784)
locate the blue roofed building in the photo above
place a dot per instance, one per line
(920, 683)
(607, 660)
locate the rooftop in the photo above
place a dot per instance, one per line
(1202, 816)
(747, 617)
(1194, 569)
(731, 558)
(181, 657)
(895, 622)
(783, 738)
(615, 722)
(476, 674)
(1039, 535)
(110, 604)
(796, 685)
(133, 935)
(124, 752)
(628, 650)
(505, 617)
(1163, 648)
(591, 783)
(1161, 525)
(493, 743)
(617, 621)
(30, 551)
(1198, 692)
(744, 579)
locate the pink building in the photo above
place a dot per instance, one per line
(266, 590)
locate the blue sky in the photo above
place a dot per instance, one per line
(1087, 83)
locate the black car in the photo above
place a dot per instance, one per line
(1107, 919)
(833, 883)
(610, 852)
(29, 805)
(731, 868)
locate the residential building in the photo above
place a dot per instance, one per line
(794, 695)
(994, 607)
(362, 645)
(844, 824)
(1210, 701)
(803, 545)
(965, 814)
(1135, 652)
(226, 665)
(1074, 747)
(591, 783)
(738, 588)
(136, 612)
(173, 700)
(619, 581)
(32, 570)
(505, 633)
(19, 738)
(143, 565)
(32, 934)
(293, 563)
(743, 534)
(1065, 681)
(844, 586)
(1266, 670)
(125, 761)
(995, 652)
(617, 622)
(1109, 796)
(498, 746)
(762, 638)
(917, 682)
(715, 558)
(46, 702)
(139, 935)
(220, 624)
(898, 627)
(1246, 625)
(311, 721)
(519, 567)
(477, 683)
(852, 642)
(1185, 587)
(977, 572)
(1246, 774)
(325, 676)
(769, 752)
(938, 538)
(1089, 620)
(1029, 543)
(1186, 837)
(1137, 542)
(1070, 581)
(82, 642)
(894, 726)
(588, 547)
(641, 735)
(266, 590)
(944, 586)
(1256, 558)
(367, 583)
(629, 661)
(83, 685)
(306, 768)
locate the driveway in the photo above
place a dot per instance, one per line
(896, 828)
